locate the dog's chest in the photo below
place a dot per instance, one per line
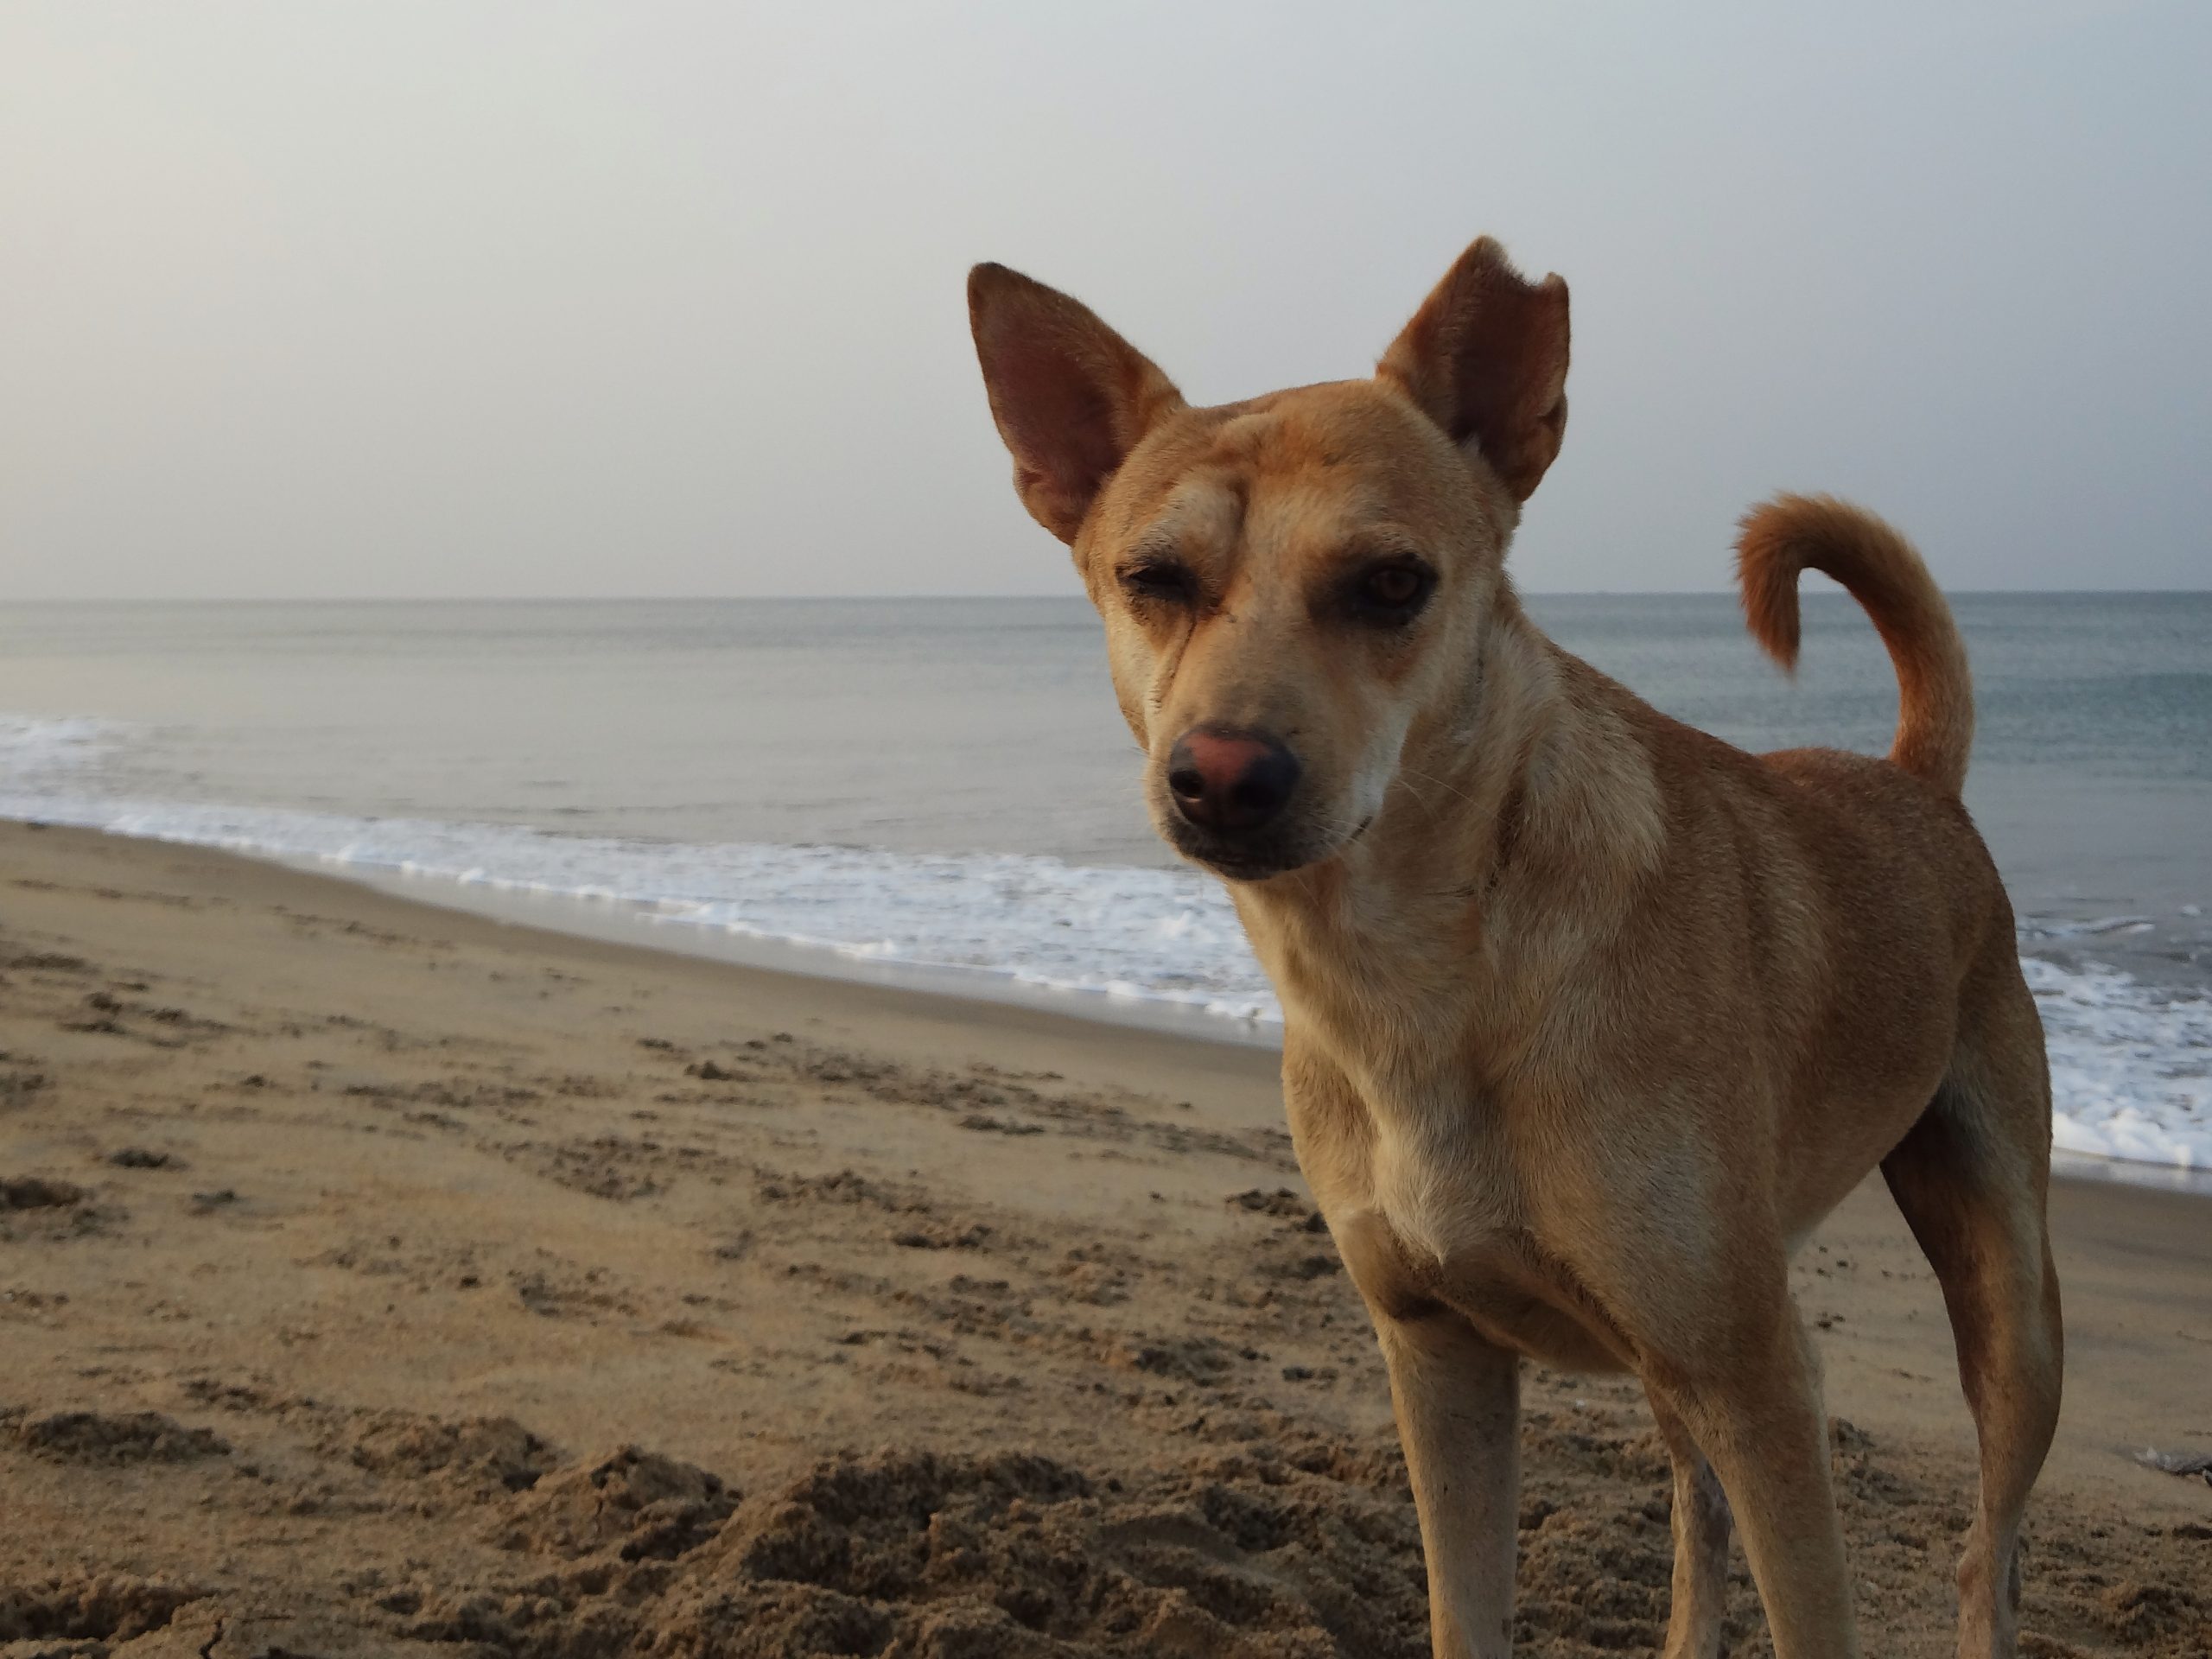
(1408, 1141)
(1429, 1205)
(1457, 1232)
(1423, 1239)
(1423, 1148)
(1436, 1175)
(1418, 1168)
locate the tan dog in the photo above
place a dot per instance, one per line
(1589, 1018)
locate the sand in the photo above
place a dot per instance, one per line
(375, 1279)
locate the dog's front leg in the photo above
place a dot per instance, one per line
(1457, 1397)
(1458, 1401)
(1753, 1401)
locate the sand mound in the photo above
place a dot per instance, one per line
(93, 1609)
(475, 1456)
(903, 1556)
(126, 1437)
(643, 1506)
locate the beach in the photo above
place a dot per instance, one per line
(626, 1027)
(381, 1279)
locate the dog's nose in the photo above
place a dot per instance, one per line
(1232, 781)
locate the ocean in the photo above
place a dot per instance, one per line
(941, 791)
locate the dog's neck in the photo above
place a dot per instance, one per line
(1525, 813)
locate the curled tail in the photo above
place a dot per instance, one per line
(1878, 569)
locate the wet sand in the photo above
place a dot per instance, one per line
(380, 1280)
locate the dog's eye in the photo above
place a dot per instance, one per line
(1162, 580)
(1392, 591)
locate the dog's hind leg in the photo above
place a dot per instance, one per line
(1971, 1179)
(1702, 1531)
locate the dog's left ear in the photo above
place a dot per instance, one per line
(1070, 397)
(1485, 359)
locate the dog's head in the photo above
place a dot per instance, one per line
(1294, 585)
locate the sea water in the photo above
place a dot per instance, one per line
(943, 786)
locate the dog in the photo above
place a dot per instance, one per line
(1589, 1018)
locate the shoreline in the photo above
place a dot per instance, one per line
(615, 922)
(378, 1276)
(627, 924)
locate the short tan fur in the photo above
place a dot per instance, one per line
(1589, 1017)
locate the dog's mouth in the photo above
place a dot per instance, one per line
(1261, 858)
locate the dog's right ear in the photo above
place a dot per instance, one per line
(1070, 397)
(1485, 359)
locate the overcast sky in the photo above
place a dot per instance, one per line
(446, 298)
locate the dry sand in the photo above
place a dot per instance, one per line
(379, 1280)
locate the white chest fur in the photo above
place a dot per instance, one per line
(1431, 1171)
(1389, 1022)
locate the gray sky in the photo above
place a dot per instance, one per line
(443, 298)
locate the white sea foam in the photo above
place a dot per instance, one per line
(2131, 1073)
(32, 750)
(1163, 935)
(2131, 1069)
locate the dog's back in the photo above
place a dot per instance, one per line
(1880, 922)
(1832, 912)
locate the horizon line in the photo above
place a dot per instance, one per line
(966, 597)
